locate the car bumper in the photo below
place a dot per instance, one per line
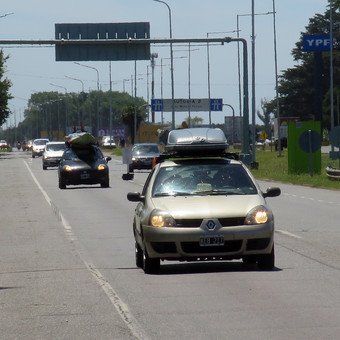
(84, 177)
(184, 243)
(51, 161)
(142, 164)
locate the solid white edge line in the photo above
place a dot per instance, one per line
(287, 233)
(122, 309)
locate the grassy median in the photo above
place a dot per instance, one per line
(274, 167)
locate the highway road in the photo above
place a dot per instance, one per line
(67, 268)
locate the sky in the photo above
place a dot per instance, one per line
(34, 69)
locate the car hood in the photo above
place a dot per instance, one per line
(208, 206)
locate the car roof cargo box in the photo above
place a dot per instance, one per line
(196, 141)
(80, 140)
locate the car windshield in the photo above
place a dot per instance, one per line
(88, 155)
(145, 149)
(55, 147)
(196, 178)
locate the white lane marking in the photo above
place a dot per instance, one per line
(312, 199)
(287, 233)
(122, 309)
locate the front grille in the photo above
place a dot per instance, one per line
(196, 223)
(228, 247)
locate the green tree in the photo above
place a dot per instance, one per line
(297, 90)
(265, 116)
(5, 85)
(194, 121)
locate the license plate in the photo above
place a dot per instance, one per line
(84, 175)
(211, 241)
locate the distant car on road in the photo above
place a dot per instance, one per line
(52, 154)
(38, 146)
(142, 156)
(85, 165)
(3, 144)
(109, 143)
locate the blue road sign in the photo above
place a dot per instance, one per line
(316, 42)
(216, 104)
(156, 104)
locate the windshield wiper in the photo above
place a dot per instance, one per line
(173, 193)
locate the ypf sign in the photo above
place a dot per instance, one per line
(316, 43)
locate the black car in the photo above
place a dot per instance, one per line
(86, 165)
(142, 156)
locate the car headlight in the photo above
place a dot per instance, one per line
(259, 215)
(101, 167)
(160, 219)
(67, 168)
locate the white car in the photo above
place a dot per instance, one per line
(38, 146)
(52, 154)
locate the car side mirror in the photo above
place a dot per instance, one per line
(135, 197)
(108, 158)
(272, 192)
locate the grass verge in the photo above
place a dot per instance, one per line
(275, 168)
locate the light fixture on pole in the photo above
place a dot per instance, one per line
(172, 65)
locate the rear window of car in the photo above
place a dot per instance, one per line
(87, 155)
(211, 178)
(145, 149)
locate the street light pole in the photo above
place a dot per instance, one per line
(82, 86)
(208, 61)
(66, 110)
(98, 89)
(172, 66)
(276, 82)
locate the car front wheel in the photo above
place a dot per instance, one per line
(62, 184)
(138, 255)
(267, 261)
(150, 266)
(105, 183)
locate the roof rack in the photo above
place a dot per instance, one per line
(198, 142)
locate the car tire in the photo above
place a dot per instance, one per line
(62, 184)
(130, 168)
(105, 183)
(33, 155)
(44, 167)
(266, 261)
(150, 266)
(138, 255)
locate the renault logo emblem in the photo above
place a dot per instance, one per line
(211, 225)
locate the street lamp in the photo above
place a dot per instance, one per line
(172, 65)
(208, 60)
(161, 65)
(66, 111)
(82, 86)
(98, 89)
(82, 83)
(238, 55)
